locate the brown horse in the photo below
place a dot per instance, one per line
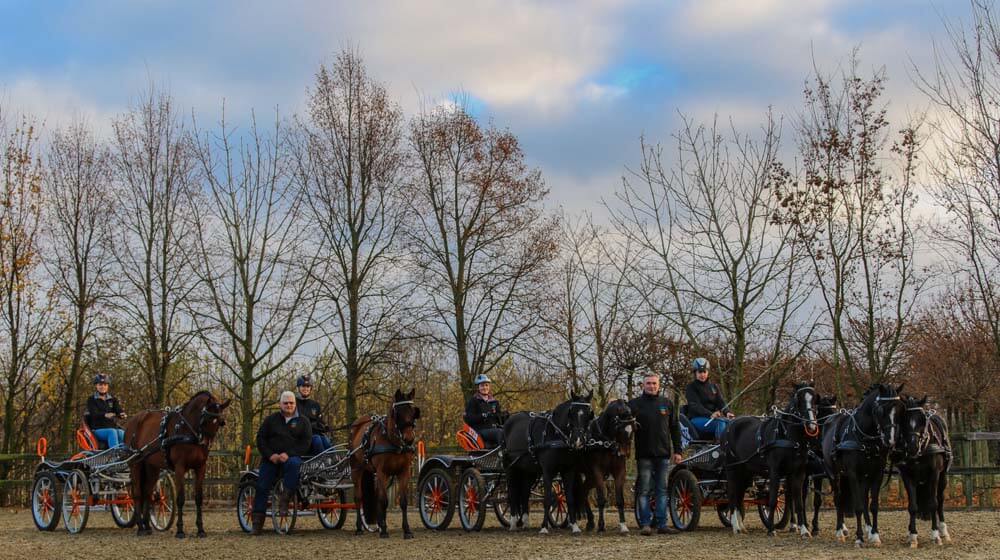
(383, 448)
(608, 449)
(173, 439)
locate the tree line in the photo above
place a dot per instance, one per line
(371, 249)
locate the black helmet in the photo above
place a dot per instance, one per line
(102, 378)
(699, 364)
(303, 380)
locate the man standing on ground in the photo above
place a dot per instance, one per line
(657, 441)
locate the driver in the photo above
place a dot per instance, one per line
(102, 411)
(483, 414)
(705, 407)
(282, 439)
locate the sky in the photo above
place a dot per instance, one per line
(577, 81)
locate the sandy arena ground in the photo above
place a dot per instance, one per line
(974, 534)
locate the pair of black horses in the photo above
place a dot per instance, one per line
(852, 449)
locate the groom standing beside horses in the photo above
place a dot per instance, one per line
(657, 440)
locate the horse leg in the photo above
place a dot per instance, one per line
(817, 502)
(403, 484)
(736, 487)
(602, 502)
(839, 485)
(620, 498)
(356, 475)
(942, 484)
(800, 505)
(199, 496)
(382, 502)
(858, 505)
(179, 472)
(569, 487)
(138, 497)
(772, 500)
(873, 537)
(546, 501)
(932, 508)
(911, 507)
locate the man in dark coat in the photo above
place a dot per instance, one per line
(282, 439)
(657, 441)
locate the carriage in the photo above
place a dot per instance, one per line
(473, 483)
(700, 481)
(94, 479)
(323, 483)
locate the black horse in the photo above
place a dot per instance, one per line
(816, 471)
(926, 457)
(855, 450)
(546, 444)
(776, 447)
(609, 444)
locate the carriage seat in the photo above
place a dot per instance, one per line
(469, 439)
(696, 435)
(86, 439)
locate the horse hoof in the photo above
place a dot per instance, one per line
(180, 535)
(407, 535)
(383, 535)
(622, 529)
(358, 532)
(543, 531)
(202, 534)
(858, 543)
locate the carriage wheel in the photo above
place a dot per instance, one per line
(333, 517)
(724, 518)
(471, 500)
(244, 504)
(558, 515)
(283, 524)
(436, 502)
(44, 497)
(780, 512)
(162, 508)
(123, 509)
(684, 499)
(501, 507)
(76, 501)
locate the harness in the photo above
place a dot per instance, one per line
(781, 440)
(195, 437)
(371, 449)
(861, 443)
(931, 441)
(603, 441)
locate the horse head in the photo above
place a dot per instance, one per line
(404, 415)
(618, 422)
(803, 404)
(888, 411)
(915, 426)
(573, 419)
(209, 414)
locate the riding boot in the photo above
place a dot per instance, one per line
(258, 523)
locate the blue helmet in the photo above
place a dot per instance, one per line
(480, 379)
(699, 364)
(303, 380)
(102, 378)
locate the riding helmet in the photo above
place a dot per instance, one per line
(303, 380)
(699, 364)
(480, 379)
(102, 378)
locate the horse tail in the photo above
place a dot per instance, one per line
(924, 500)
(369, 499)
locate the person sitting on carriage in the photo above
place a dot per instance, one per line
(483, 414)
(312, 410)
(102, 411)
(705, 407)
(282, 439)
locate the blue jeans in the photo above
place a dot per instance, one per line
(715, 428)
(269, 474)
(319, 444)
(650, 470)
(112, 437)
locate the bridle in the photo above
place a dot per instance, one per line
(790, 412)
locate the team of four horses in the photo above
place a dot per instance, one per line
(569, 450)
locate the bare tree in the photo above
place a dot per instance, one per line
(963, 86)
(350, 162)
(854, 220)
(714, 263)
(256, 300)
(153, 166)
(79, 207)
(27, 324)
(480, 239)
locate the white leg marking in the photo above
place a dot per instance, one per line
(913, 540)
(936, 536)
(575, 529)
(622, 528)
(944, 531)
(804, 532)
(543, 531)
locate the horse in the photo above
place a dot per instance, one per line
(924, 467)
(609, 445)
(776, 447)
(816, 471)
(547, 444)
(383, 448)
(855, 450)
(177, 439)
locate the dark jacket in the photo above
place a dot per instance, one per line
(658, 434)
(703, 399)
(311, 410)
(277, 436)
(481, 414)
(97, 408)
